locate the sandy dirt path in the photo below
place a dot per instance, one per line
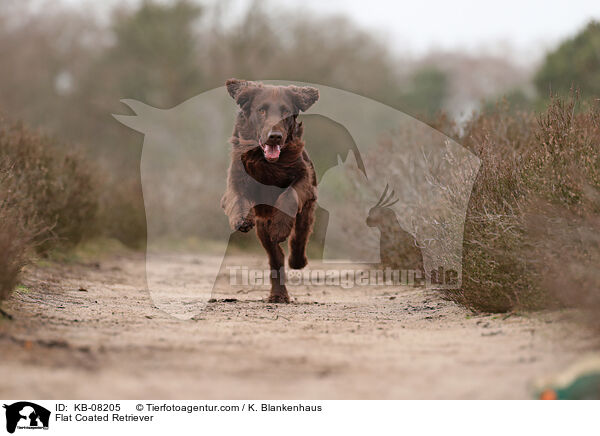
(91, 331)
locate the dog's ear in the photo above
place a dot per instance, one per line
(241, 91)
(235, 86)
(304, 96)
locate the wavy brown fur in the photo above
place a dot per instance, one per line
(259, 190)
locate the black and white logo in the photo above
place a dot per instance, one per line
(26, 415)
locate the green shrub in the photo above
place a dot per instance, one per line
(575, 62)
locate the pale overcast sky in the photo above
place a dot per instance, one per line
(525, 27)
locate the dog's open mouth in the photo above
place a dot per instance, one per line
(271, 151)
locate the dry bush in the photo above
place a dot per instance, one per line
(15, 236)
(567, 254)
(121, 213)
(18, 226)
(495, 275)
(528, 212)
(47, 198)
(55, 186)
(13, 251)
(564, 225)
(530, 235)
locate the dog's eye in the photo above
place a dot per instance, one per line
(262, 111)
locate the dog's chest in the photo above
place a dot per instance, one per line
(270, 174)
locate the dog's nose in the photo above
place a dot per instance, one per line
(275, 136)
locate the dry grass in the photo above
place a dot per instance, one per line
(49, 182)
(495, 271)
(533, 216)
(531, 234)
(14, 245)
(47, 199)
(567, 254)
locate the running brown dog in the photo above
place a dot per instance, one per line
(271, 181)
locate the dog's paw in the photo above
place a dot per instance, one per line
(242, 224)
(280, 230)
(279, 298)
(297, 261)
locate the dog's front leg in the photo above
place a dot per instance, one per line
(300, 234)
(279, 293)
(240, 212)
(283, 220)
(235, 202)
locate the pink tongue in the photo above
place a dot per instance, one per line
(272, 151)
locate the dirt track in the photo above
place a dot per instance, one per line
(91, 331)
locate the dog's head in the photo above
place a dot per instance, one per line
(270, 112)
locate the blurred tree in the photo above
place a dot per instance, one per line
(428, 90)
(513, 100)
(267, 43)
(154, 55)
(150, 55)
(43, 52)
(575, 63)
